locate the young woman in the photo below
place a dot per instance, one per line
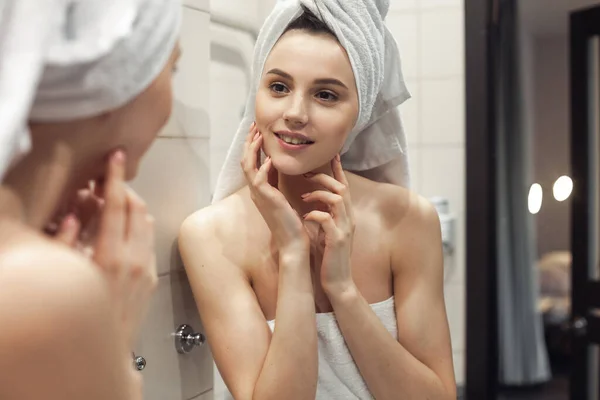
(313, 281)
(68, 320)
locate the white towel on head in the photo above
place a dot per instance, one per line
(376, 147)
(87, 56)
(22, 52)
(108, 52)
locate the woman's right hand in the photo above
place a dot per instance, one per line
(122, 246)
(284, 222)
(125, 248)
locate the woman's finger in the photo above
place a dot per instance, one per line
(333, 200)
(88, 212)
(338, 170)
(340, 176)
(68, 231)
(261, 180)
(328, 182)
(249, 137)
(113, 220)
(257, 148)
(262, 175)
(251, 133)
(326, 221)
(253, 159)
(337, 185)
(250, 159)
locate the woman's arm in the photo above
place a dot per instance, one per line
(419, 364)
(254, 364)
(59, 338)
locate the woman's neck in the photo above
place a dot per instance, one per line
(35, 188)
(293, 187)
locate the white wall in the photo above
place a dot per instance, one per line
(430, 35)
(174, 180)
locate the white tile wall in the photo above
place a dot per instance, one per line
(410, 111)
(240, 12)
(191, 81)
(200, 5)
(455, 308)
(454, 268)
(264, 8)
(441, 42)
(442, 173)
(414, 160)
(402, 5)
(430, 35)
(174, 180)
(229, 87)
(168, 374)
(205, 396)
(459, 366)
(438, 4)
(405, 28)
(442, 105)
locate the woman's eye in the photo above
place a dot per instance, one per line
(278, 88)
(327, 96)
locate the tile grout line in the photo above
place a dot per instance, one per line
(201, 394)
(183, 137)
(170, 272)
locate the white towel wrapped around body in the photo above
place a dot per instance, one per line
(62, 60)
(376, 147)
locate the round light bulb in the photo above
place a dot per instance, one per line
(535, 198)
(562, 188)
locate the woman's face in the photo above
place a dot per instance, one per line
(137, 124)
(307, 101)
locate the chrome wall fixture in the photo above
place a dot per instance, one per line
(186, 339)
(139, 362)
(447, 222)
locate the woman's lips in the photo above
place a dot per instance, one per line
(291, 146)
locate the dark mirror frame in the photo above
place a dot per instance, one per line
(481, 269)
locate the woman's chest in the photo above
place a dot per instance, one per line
(369, 264)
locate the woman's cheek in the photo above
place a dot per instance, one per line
(263, 110)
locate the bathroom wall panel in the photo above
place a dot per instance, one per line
(168, 374)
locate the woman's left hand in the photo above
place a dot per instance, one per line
(77, 225)
(336, 227)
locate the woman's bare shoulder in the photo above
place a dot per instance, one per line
(40, 265)
(232, 227)
(48, 288)
(222, 219)
(411, 219)
(397, 205)
(44, 284)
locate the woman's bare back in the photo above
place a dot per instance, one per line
(48, 290)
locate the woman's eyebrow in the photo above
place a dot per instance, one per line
(322, 81)
(276, 71)
(330, 81)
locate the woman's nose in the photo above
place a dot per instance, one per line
(296, 112)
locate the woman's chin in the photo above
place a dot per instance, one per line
(290, 167)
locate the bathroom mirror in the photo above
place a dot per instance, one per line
(430, 37)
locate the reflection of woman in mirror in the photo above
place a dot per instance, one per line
(69, 321)
(312, 280)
